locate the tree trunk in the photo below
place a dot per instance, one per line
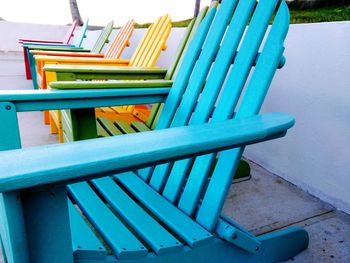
(197, 7)
(75, 11)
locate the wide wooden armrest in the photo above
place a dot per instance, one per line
(104, 69)
(111, 84)
(66, 53)
(22, 40)
(37, 100)
(87, 60)
(44, 45)
(82, 160)
(58, 48)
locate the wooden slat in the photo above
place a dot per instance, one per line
(120, 41)
(124, 127)
(200, 172)
(137, 53)
(70, 33)
(189, 35)
(109, 154)
(101, 131)
(79, 38)
(190, 59)
(118, 237)
(180, 82)
(102, 38)
(159, 44)
(85, 243)
(198, 77)
(179, 51)
(103, 69)
(110, 84)
(228, 161)
(159, 239)
(108, 126)
(188, 230)
(140, 126)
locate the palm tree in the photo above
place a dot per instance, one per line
(197, 7)
(75, 11)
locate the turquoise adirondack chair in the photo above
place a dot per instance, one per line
(169, 213)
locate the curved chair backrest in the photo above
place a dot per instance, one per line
(208, 88)
(79, 37)
(102, 38)
(152, 43)
(70, 33)
(120, 41)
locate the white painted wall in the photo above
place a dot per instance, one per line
(314, 86)
(11, 31)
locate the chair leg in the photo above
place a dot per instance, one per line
(53, 126)
(47, 225)
(3, 252)
(46, 117)
(283, 244)
(26, 64)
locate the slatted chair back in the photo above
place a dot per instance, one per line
(191, 30)
(204, 91)
(120, 41)
(79, 37)
(149, 48)
(152, 43)
(151, 117)
(70, 33)
(222, 66)
(102, 38)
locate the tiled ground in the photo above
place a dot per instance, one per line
(262, 204)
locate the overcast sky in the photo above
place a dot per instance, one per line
(99, 12)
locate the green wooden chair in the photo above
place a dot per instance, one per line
(51, 213)
(145, 56)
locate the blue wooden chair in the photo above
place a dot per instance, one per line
(69, 203)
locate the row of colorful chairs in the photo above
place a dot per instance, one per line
(154, 196)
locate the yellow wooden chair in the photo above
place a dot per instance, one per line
(145, 56)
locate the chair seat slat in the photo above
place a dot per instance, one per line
(159, 239)
(118, 237)
(85, 243)
(184, 226)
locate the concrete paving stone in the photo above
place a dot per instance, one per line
(33, 131)
(329, 240)
(273, 202)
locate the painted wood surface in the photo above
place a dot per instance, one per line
(188, 132)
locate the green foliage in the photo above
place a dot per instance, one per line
(297, 16)
(324, 14)
(182, 23)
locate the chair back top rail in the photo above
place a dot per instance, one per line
(102, 38)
